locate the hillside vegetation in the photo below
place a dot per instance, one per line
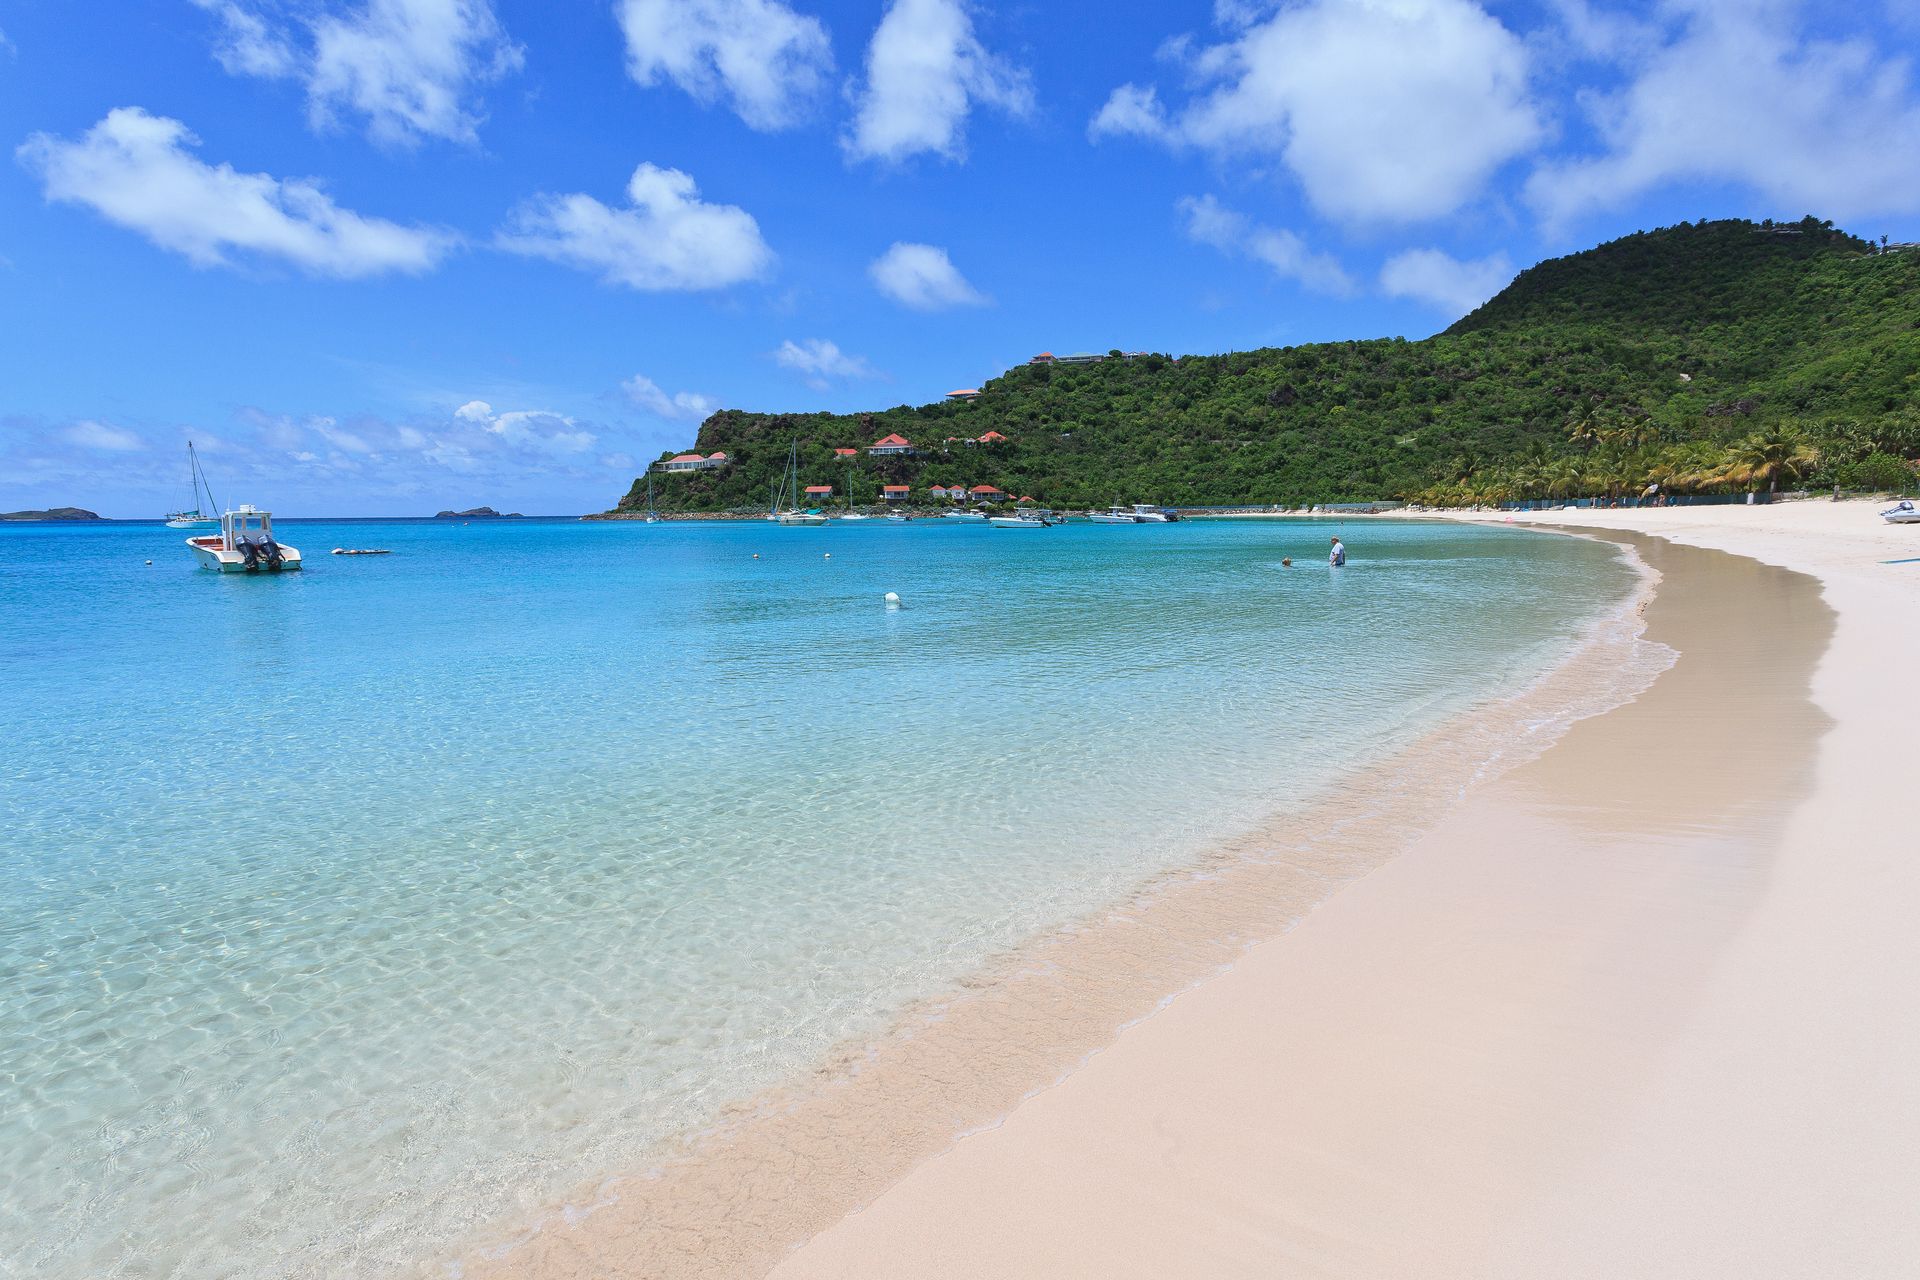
(1705, 356)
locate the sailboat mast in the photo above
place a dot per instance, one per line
(193, 460)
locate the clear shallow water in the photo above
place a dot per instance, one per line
(342, 910)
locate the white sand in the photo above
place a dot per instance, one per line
(1649, 1006)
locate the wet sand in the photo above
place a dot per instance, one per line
(1643, 1007)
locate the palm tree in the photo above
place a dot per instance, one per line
(1772, 455)
(1561, 477)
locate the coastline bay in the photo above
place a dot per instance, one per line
(370, 942)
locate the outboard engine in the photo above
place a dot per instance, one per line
(259, 549)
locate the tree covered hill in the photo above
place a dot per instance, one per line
(1658, 355)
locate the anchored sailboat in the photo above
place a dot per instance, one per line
(199, 517)
(789, 489)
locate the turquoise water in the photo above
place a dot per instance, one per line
(345, 909)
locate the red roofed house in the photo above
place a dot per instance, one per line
(965, 393)
(891, 446)
(1045, 357)
(693, 462)
(993, 437)
(987, 493)
(1028, 498)
(846, 453)
(938, 491)
(819, 491)
(896, 492)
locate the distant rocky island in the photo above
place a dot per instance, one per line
(52, 513)
(478, 513)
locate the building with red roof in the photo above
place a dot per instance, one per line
(891, 446)
(987, 493)
(965, 393)
(993, 437)
(693, 462)
(896, 492)
(819, 491)
(846, 453)
(1045, 357)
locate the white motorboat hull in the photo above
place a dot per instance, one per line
(975, 517)
(1016, 522)
(801, 517)
(234, 562)
(1102, 517)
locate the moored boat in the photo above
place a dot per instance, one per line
(1147, 513)
(977, 517)
(245, 544)
(1025, 518)
(1115, 514)
(196, 517)
(790, 491)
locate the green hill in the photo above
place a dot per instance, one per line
(1665, 355)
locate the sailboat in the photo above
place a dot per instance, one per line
(199, 517)
(851, 514)
(652, 516)
(790, 490)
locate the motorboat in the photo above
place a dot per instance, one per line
(245, 544)
(1902, 512)
(1115, 514)
(977, 517)
(196, 517)
(1026, 518)
(898, 517)
(854, 515)
(1147, 513)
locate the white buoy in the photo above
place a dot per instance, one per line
(149, 562)
(893, 599)
(827, 556)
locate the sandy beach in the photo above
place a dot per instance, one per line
(1643, 1006)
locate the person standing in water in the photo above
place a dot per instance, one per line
(1338, 555)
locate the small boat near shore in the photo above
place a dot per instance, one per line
(1115, 514)
(975, 517)
(1904, 512)
(361, 551)
(1147, 513)
(789, 492)
(1028, 518)
(245, 544)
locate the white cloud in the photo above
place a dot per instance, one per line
(1739, 95)
(1211, 223)
(819, 361)
(769, 62)
(98, 435)
(669, 239)
(412, 69)
(474, 411)
(925, 71)
(136, 170)
(680, 406)
(1384, 110)
(1453, 285)
(247, 45)
(923, 277)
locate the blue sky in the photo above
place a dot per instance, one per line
(385, 256)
